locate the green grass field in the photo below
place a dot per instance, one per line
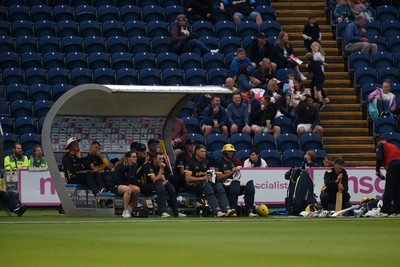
(37, 239)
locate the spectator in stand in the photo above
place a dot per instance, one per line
(265, 72)
(38, 160)
(10, 198)
(358, 8)
(242, 59)
(309, 160)
(277, 98)
(308, 117)
(242, 79)
(214, 118)
(354, 37)
(255, 161)
(297, 95)
(251, 101)
(381, 101)
(230, 84)
(318, 78)
(341, 12)
(327, 161)
(178, 133)
(262, 117)
(182, 159)
(238, 116)
(283, 53)
(259, 50)
(288, 88)
(311, 32)
(183, 40)
(200, 10)
(241, 10)
(152, 145)
(16, 160)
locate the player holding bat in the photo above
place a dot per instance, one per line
(335, 180)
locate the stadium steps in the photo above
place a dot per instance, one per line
(346, 128)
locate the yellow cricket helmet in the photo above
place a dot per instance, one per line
(262, 210)
(228, 148)
(365, 199)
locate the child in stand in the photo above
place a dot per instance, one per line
(319, 54)
(311, 33)
(288, 88)
(315, 67)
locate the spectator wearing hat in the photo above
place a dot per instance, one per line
(143, 156)
(152, 145)
(178, 133)
(73, 166)
(259, 50)
(335, 178)
(241, 59)
(251, 101)
(181, 160)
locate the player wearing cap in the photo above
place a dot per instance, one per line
(152, 144)
(332, 183)
(181, 161)
(73, 166)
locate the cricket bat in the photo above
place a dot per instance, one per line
(339, 197)
(344, 211)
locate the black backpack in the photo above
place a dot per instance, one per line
(300, 192)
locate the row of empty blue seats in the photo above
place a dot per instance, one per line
(25, 108)
(21, 125)
(368, 75)
(27, 140)
(379, 60)
(386, 124)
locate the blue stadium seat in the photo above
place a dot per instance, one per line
(310, 141)
(373, 27)
(104, 76)
(198, 138)
(272, 157)
(16, 91)
(229, 44)
(18, 12)
(31, 60)
(385, 13)
(40, 124)
(157, 28)
(48, 44)
(127, 76)
(217, 155)
(224, 28)
(266, 12)
(229, 58)
(396, 60)
(167, 3)
(270, 28)
(241, 141)
(187, 111)
(264, 141)
(58, 75)
(9, 60)
(359, 60)
(382, 60)
(21, 108)
(242, 154)
(247, 42)
(388, 73)
(25, 44)
(394, 44)
(292, 158)
(192, 123)
(71, 44)
(53, 60)
(247, 28)
(59, 89)
(167, 60)
(4, 108)
(45, 28)
(35, 75)
(21, 28)
(98, 60)
(135, 28)
(172, 11)
(13, 75)
(25, 125)
(195, 77)
(213, 60)
(94, 44)
(282, 74)
(152, 13)
(190, 60)
(63, 12)
(3, 13)
(365, 75)
(203, 28)
(340, 28)
(107, 12)
(67, 28)
(143, 3)
(287, 141)
(217, 76)
(116, 44)
(89, 28)
(320, 155)
(81, 76)
(76, 60)
(7, 124)
(380, 41)
(210, 41)
(29, 140)
(9, 140)
(393, 138)
(112, 28)
(121, 60)
(391, 28)
(42, 107)
(85, 12)
(139, 44)
(130, 13)
(384, 124)
(216, 141)
(366, 89)
(7, 44)
(99, 3)
(41, 12)
(39, 91)
(76, 3)
(144, 60)
(5, 28)
(161, 44)
(149, 76)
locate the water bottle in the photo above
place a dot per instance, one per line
(31, 162)
(201, 213)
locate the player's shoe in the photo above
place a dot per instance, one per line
(126, 214)
(165, 215)
(220, 214)
(181, 215)
(230, 213)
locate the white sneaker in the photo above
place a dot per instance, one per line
(251, 214)
(220, 214)
(303, 77)
(126, 214)
(214, 50)
(181, 215)
(230, 213)
(234, 215)
(165, 215)
(278, 114)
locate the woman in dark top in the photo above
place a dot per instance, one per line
(122, 182)
(242, 79)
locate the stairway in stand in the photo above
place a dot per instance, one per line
(346, 128)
